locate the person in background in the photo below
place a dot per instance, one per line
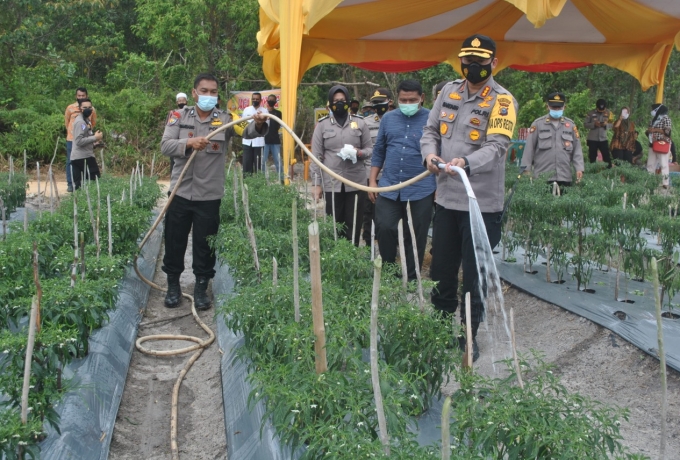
(341, 141)
(638, 152)
(380, 100)
(554, 144)
(367, 109)
(659, 135)
(83, 161)
(181, 100)
(623, 141)
(72, 111)
(272, 141)
(470, 126)
(597, 122)
(196, 206)
(438, 89)
(396, 152)
(354, 107)
(252, 148)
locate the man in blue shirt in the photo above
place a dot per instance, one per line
(397, 153)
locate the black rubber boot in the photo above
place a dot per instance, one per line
(462, 342)
(174, 294)
(201, 299)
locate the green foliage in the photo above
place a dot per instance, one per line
(69, 315)
(12, 191)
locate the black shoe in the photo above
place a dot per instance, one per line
(69, 189)
(462, 345)
(174, 293)
(201, 299)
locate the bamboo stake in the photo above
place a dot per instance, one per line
(275, 272)
(38, 287)
(296, 265)
(515, 360)
(416, 260)
(132, 176)
(101, 154)
(354, 219)
(39, 197)
(251, 231)
(467, 356)
(402, 255)
(81, 240)
(372, 240)
(92, 221)
(320, 362)
(316, 198)
(28, 360)
(335, 229)
(547, 263)
(235, 194)
(141, 175)
(99, 209)
(323, 194)
(122, 198)
(375, 370)
(108, 208)
(446, 431)
(4, 220)
(54, 185)
(75, 239)
(49, 181)
(153, 165)
(25, 163)
(662, 359)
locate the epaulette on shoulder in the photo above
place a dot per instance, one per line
(323, 118)
(356, 116)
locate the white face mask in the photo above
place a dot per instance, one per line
(653, 112)
(624, 114)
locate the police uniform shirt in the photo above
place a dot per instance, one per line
(83, 139)
(478, 127)
(598, 133)
(328, 139)
(553, 145)
(373, 122)
(204, 180)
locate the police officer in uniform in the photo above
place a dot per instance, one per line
(380, 100)
(197, 202)
(331, 134)
(598, 121)
(554, 144)
(471, 124)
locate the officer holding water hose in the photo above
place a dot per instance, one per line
(471, 124)
(197, 202)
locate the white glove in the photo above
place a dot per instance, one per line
(348, 153)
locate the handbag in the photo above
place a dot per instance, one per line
(661, 146)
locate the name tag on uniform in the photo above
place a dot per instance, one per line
(353, 125)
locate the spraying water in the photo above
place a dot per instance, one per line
(490, 288)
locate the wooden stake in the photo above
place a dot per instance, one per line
(235, 195)
(515, 360)
(317, 301)
(296, 265)
(375, 370)
(4, 220)
(108, 208)
(662, 359)
(421, 297)
(354, 219)
(92, 221)
(74, 270)
(99, 209)
(39, 197)
(81, 240)
(467, 356)
(316, 198)
(49, 181)
(38, 287)
(275, 272)
(402, 255)
(335, 227)
(132, 177)
(446, 430)
(101, 154)
(25, 163)
(153, 165)
(372, 240)
(28, 360)
(251, 231)
(547, 263)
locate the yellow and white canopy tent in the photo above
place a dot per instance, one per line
(636, 36)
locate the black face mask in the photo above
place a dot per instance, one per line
(256, 103)
(180, 105)
(380, 109)
(339, 108)
(354, 110)
(87, 112)
(475, 72)
(271, 103)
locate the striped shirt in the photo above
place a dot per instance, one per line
(397, 152)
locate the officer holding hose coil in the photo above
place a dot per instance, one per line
(471, 124)
(197, 202)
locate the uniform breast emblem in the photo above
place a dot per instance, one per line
(216, 122)
(455, 96)
(452, 116)
(474, 134)
(215, 146)
(475, 121)
(191, 134)
(443, 128)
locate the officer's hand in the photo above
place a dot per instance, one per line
(579, 176)
(459, 162)
(260, 120)
(372, 195)
(317, 192)
(434, 169)
(198, 143)
(98, 135)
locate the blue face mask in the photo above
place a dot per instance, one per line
(556, 113)
(206, 103)
(409, 109)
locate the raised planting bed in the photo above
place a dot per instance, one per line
(332, 413)
(12, 192)
(74, 303)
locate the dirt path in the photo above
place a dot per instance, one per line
(142, 429)
(595, 362)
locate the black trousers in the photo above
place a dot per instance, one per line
(452, 247)
(368, 218)
(251, 159)
(602, 146)
(344, 212)
(623, 155)
(387, 215)
(182, 215)
(85, 167)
